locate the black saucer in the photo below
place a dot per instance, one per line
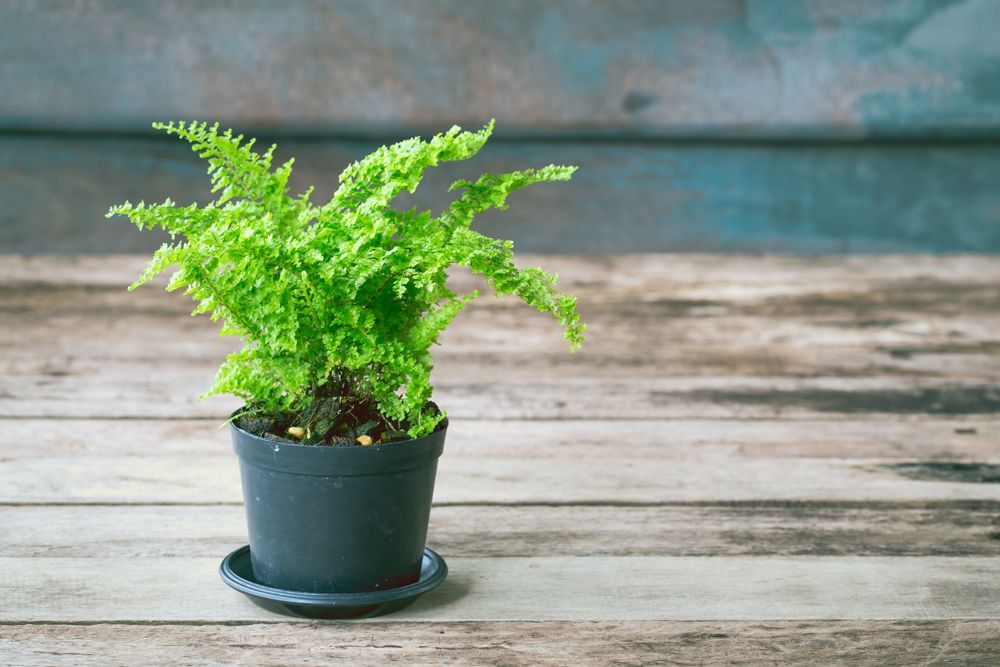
(237, 572)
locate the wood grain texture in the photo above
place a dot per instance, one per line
(670, 337)
(125, 393)
(748, 588)
(862, 420)
(181, 480)
(866, 439)
(895, 327)
(190, 462)
(834, 643)
(811, 476)
(963, 528)
(624, 198)
(637, 68)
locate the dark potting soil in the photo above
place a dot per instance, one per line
(331, 421)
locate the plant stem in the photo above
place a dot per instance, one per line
(247, 324)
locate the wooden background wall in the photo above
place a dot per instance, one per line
(816, 126)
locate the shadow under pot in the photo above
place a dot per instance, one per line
(328, 519)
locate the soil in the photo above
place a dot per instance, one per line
(332, 421)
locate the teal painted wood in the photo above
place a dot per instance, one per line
(625, 197)
(631, 68)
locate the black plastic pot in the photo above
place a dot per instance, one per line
(326, 519)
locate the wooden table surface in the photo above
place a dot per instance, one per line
(754, 459)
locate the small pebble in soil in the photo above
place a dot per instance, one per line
(363, 440)
(296, 432)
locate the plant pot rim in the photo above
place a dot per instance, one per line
(327, 460)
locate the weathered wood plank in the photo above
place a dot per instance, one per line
(634, 69)
(131, 392)
(485, 480)
(870, 301)
(196, 353)
(831, 302)
(476, 349)
(884, 643)
(85, 461)
(913, 318)
(862, 439)
(900, 328)
(625, 198)
(557, 588)
(666, 341)
(482, 374)
(497, 531)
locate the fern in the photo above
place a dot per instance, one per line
(341, 301)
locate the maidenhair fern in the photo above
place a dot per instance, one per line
(339, 301)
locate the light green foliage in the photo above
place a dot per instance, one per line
(350, 294)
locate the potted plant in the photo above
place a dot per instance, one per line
(338, 305)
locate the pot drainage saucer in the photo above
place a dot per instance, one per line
(237, 572)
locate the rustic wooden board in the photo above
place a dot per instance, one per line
(669, 338)
(182, 480)
(747, 588)
(625, 197)
(635, 69)
(885, 329)
(962, 528)
(192, 354)
(905, 308)
(861, 438)
(885, 643)
(132, 393)
(189, 462)
(476, 349)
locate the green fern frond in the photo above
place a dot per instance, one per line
(348, 296)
